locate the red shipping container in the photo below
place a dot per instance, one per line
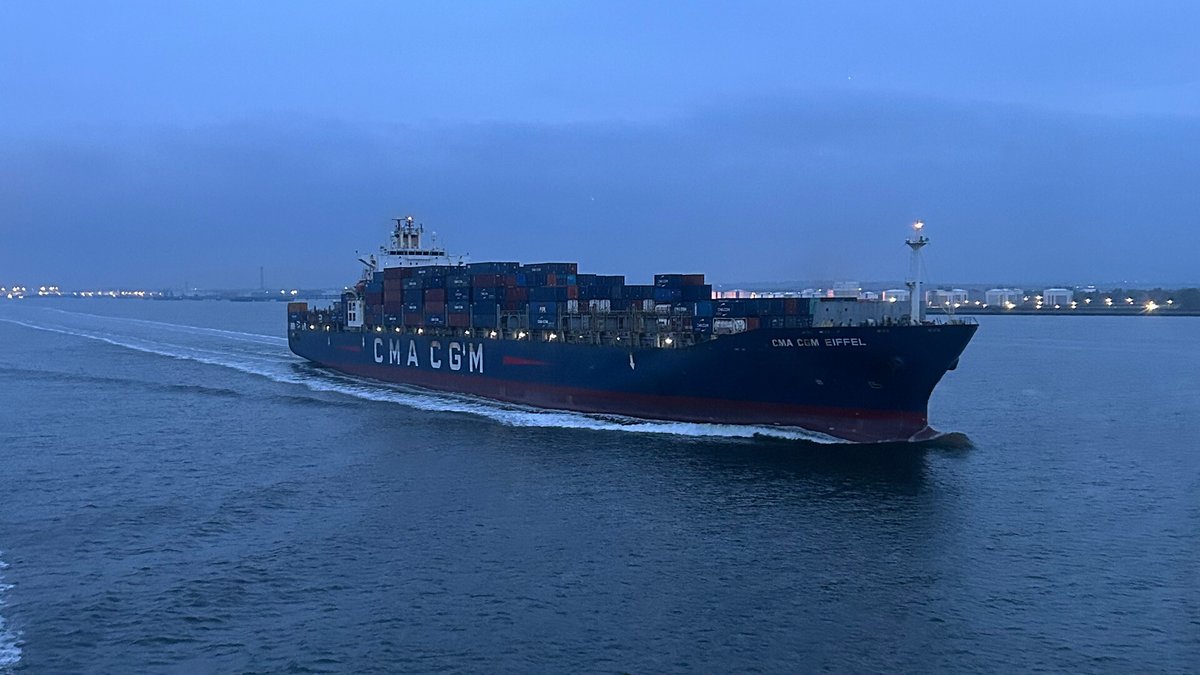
(414, 319)
(510, 281)
(572, 292)
(487, 280)
(393, 273)
(693, 279)
(791, 306)
(551, 279)
(435, 295)
(511, 305)
(458, 320)
(518, 293)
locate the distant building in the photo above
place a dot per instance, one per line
(1003, 296)
(1057, 296)
(946, 297)
(845, 289)
(896, 295)
(735, 293)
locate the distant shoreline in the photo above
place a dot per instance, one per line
(1132, 311)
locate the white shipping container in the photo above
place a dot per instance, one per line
(728, 326)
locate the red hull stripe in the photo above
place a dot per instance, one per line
(518, 361)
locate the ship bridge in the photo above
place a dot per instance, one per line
(405, 249)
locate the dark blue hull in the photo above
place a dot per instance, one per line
(868, 383)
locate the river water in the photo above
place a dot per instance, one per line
(179, 493)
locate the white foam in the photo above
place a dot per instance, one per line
(10, 643)
(280, 367)
(182, 327)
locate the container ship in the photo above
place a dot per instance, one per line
(547, 336)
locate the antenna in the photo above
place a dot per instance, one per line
(916, 243)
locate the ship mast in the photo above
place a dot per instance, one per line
(916, 243)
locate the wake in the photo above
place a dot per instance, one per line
(264, 358)
(10, 650)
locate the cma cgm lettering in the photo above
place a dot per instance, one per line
(454, 356)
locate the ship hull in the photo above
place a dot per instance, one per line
(865, 384)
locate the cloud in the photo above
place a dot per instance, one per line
(820, 186)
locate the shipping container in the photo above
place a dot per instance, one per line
(548, 294)
(639, 292)
(458, 280)
(556, 268)
(493, 267)
(414, 282)
(458, 306)
(434, 307)
(487, 280)
(663, 294)
(413, 307)
(458, 293)
(489, 293)
(435, 320)
(435, 295)
(458, 319)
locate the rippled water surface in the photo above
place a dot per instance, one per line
(181, 494)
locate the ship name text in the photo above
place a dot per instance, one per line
(816, 342)
(454, 355)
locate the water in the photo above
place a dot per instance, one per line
(180, 494)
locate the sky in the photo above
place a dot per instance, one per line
(153, 144)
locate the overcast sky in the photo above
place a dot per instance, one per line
(153, 143)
